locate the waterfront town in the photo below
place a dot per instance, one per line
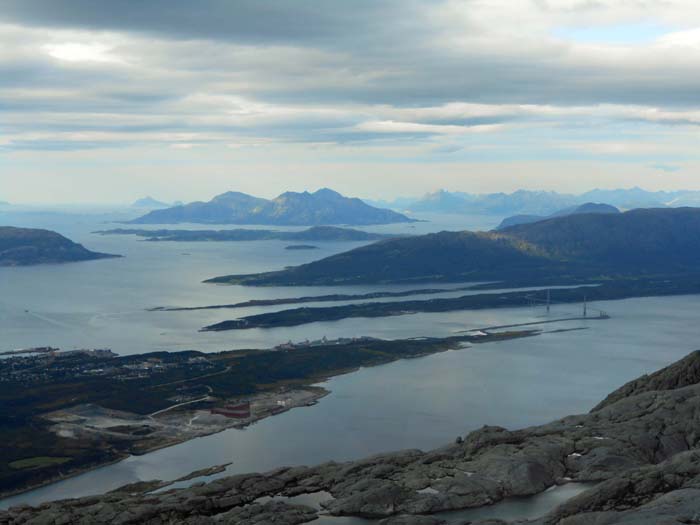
(47, 363)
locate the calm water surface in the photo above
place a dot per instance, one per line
(103, 303)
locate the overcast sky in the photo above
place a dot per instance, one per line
(109, 100)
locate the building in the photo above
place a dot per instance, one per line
(241, 411)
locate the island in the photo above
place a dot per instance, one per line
(301, 247)
(635, 455)
(29, 246)
(315, 234)
(149, 202)
(324, 206)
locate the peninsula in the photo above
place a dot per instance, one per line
(602, 290)
(638, 449)
(54, 404)
(321, 298)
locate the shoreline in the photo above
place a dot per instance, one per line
(580, 293)
(320, 394)
(72, 474)
(629, 476)
(309, 383)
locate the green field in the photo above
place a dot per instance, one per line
(37, 462)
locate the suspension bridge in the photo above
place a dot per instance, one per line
(547, 303)
(586, 312)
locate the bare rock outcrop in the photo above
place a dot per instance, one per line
(641, 445)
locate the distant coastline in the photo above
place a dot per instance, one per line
(313, 234)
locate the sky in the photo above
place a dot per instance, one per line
(110, 100)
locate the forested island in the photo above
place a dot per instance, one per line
(301, 247)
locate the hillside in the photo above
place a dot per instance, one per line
(589, 207)
(290, 209)
(631, 243)
(455, 255)
(643, 240)
(25, 246)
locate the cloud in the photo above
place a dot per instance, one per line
(77, 52)
(417, 128)
(243, 21)
(506, 80)
(666, 168)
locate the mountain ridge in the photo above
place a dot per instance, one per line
(539, 202)
(589, 207)
(323, 207)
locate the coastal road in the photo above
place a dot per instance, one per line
(205, 398)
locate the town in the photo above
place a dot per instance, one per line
(324, 341)
(46, 364)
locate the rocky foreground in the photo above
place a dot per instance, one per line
(641, 444)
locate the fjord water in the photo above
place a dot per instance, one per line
(419, 403)
(103, 303)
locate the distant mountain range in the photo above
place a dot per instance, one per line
(519, 202)
(150, 203)
(27, 246)
(316, 233)
(637, 242)
(589, 207)
(524, 202)
(294, 209)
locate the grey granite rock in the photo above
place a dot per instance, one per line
(642, 445)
